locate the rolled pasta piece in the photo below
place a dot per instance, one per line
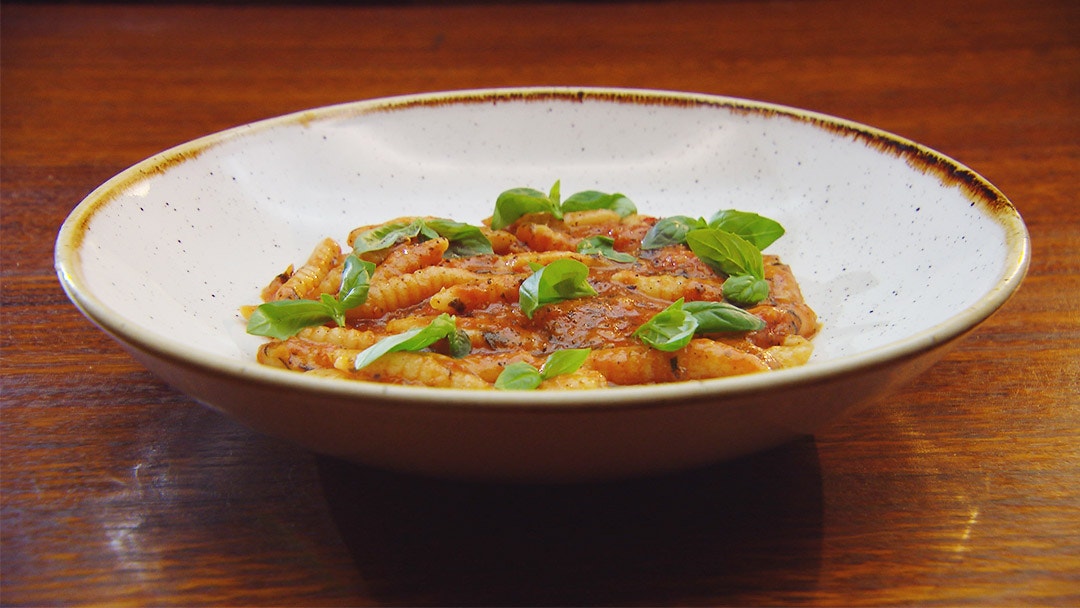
(330, 284)
(489, 366)
(344, 337)
(704, 358)
(411, 257)
(427, 369)
(307, 277)
(670, 287)
(465, 297)
(541, 237)
(795, 351)
(408, 289)
(587, 220)
(701, 359)
(577, 380)
(302, 355)
(502, 242)
(634, 364)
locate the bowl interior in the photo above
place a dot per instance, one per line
(889, 241)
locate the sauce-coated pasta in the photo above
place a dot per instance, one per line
(420, 278)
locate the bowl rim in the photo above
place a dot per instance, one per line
(980, 191)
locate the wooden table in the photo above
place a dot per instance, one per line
(964, 488)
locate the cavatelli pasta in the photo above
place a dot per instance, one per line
(408, 289)
(670, 287)
(541, 237)
(307, 277)
(410, 258)
(418, 280)
(482, 291)
(427, 369)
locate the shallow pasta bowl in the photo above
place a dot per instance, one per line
(898, 248)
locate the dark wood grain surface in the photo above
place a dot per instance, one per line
(963, 488)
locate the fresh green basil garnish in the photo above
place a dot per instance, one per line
(674, 327)
(561, 280)
(523, 376)
(671, 231)
(715, 317)
(730, 243)
(669, 329)
(284, 318)
(459, 344)
(745, 290)
(464, 239)
(605, 246)
(590, 200)
(759, 230)
(516, 202)
(355, 281)
(725, 252)
(730, 254)
(441, 327)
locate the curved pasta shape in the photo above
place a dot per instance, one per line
(465, 297)
(413, 282)
(704, 358)
(489, 366)
(635, 364)
(541, 237)
(579, 220)
(407, 290)
(428, 369)
(343, 337)
(411, 257)
(330, 284)
(307, 277)
(795, 351)
(578, 380)
(272, 287)
(520, 262)
(502, 242)
(670, 287)
(700, 359)
(302, 355)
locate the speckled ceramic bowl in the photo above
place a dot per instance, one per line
(900, 250)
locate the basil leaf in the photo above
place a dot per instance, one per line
(760, 231)
(591, 199)
(517, 202)
(523, 376)
(386, 235)
(412, 340)
(518, 376)
(355, 280)
(713, 317)
(283, 318)
(668, 330)
(565, 361)
(745, 289)
(560, 280)
(460, 344)
(555, 195)
(605, 246)
(671, 231)
(725, 252)
(465, 239)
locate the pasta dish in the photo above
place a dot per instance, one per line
(545, 294)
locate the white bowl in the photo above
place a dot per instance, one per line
(899, 249)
